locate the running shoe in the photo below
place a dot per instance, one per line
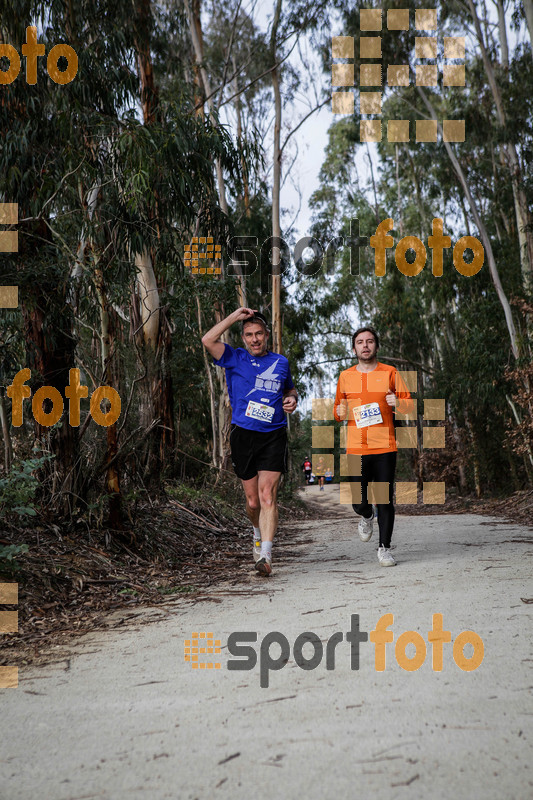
(257, 550)
(365, 528)
(264, 566)
(385, 557)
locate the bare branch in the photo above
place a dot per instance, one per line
(328, 98)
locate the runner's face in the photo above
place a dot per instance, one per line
(365, 347)
(255, 338)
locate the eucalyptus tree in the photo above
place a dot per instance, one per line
(431, 321)
(95, 185)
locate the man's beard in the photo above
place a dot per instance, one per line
(259, 352)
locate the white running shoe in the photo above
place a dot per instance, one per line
(385, 557)
(365, 528)
(264, 566)
(257, 550)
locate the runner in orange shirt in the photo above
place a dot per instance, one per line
(367, 395)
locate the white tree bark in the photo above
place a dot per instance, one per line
(528, 8)
(148, 294)
(523, 217)
(276, 187)
(221, 186)
(502, 297)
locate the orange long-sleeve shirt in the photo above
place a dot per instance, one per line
(370, 418)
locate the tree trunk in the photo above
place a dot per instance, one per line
(504, 47)
(463, 486)
(398, 189)
(212, 397)
(528, 8)
(523, 217)
(502, 297)
(195, 28)
(8, 448)
(112, 475)
(155, 330)
(50, 357)
(276, 187)
(223, 423)
(518, 421)
(199, 94)
(474, 456)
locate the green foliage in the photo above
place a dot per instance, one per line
(450, 329)
(8, 557)
(19, 487)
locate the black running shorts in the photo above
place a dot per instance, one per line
(252, 451)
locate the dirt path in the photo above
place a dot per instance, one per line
(125, 716)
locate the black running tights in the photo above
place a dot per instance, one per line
(379, 468)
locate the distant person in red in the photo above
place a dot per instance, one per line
(306, 466)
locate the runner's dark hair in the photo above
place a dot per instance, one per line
(257, 317)
(362, 330)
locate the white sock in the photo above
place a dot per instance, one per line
(257, 537)
(266, 549)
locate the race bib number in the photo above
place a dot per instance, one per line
(260, 411)
(368, 414)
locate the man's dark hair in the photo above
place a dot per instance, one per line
(362, 330)
(258, 318)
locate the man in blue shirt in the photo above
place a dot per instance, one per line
(261, 391)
